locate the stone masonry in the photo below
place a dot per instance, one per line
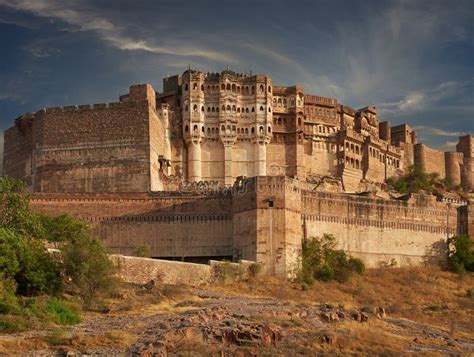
(229, 165)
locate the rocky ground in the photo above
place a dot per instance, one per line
(268, 317)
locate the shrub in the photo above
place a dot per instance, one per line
(461, 254)
(27, 262)
(8, 299)
(88, 268)
(418, 179)
(255, 269)
(142, 251)
(226, 272)
(61, 313)
(320, 261)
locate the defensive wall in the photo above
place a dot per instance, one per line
(264, 219)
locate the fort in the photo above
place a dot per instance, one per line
(231, 166)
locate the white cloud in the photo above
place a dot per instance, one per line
(436, 131)
(449, 146)
(83, 19)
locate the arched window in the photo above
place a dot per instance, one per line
(233, 108)
(228, 108)
(228, 86)
(253, 110)
(253, 89)
(202, 108)
(208, 131)
(269, 109)
(208, 87)
(223, 86)
(233, 128)
(202, 87)
(246, 90)
(262, 88)
(357, 164)
(195, 86)
(223, 108)
(357, 149)
(233, 88)
(253, 130)
(195, 128)
(195, 108)
(238, 130)
(261, 108)
(186, 108)
(238, 110)
(202, 129)
(246, 110)
(261, 130)
(186, 87)
(186, 129)
(246, 130)
(269, 89)
(217, 109)
(352, 147)
(208, 109)
(213, 109)
(238, 89)
(223, 127)
(269, 129)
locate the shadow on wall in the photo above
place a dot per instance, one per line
(436, 253)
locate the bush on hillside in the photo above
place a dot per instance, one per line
(87, 266)
(321, 261)
(461, 256)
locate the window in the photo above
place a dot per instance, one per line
(186, 87)
(195, 86)
(223, 86)
(261, 108)
(186, 129)
(195, 108)
(228, 86)
(269, 109)
(202, 87)
(233, 88)
(269, 89)
(262, 88)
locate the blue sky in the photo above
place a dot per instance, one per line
(414, 60)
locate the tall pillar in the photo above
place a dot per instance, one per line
(260, 159)
(228, 178)
(194, 161)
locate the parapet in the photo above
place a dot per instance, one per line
(139, 92)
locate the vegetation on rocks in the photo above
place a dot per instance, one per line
(419, 180)
(32, 280)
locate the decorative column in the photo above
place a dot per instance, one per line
(194, 161)
(260, 158)
(228, 178)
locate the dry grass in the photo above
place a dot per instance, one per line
(427, 295)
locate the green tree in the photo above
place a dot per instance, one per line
(88, 268)
(461, 256)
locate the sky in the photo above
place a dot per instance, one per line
(413, 60)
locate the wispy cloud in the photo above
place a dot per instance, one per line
(436, 131)
(83, 19)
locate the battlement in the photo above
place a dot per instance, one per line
(314, 99)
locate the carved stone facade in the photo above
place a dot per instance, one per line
(216, 127)
(168, 170)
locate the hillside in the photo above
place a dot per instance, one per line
(428, 312)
